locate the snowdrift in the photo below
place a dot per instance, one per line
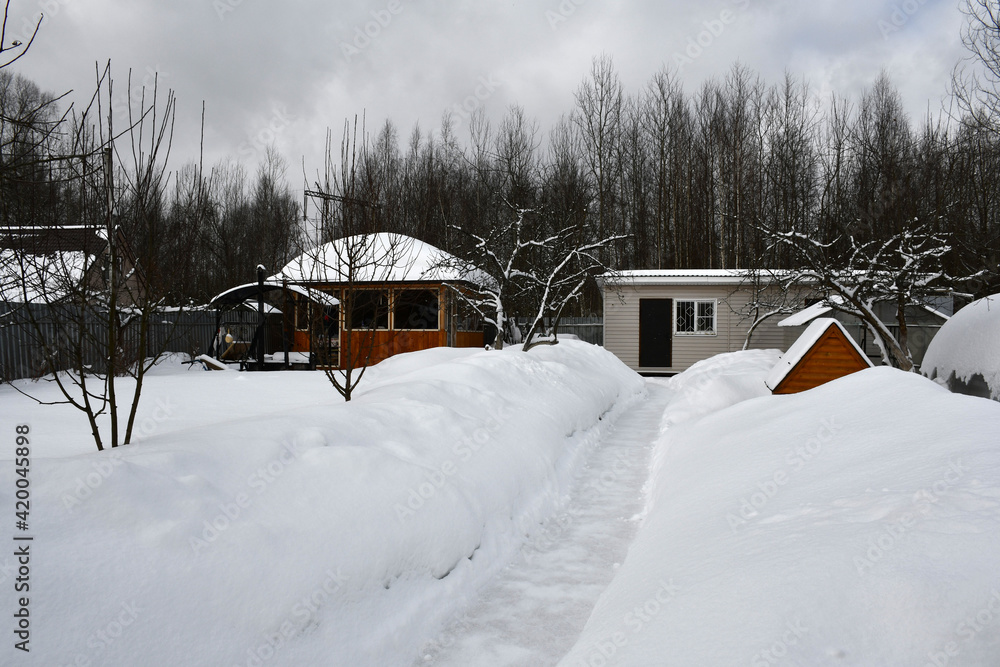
(854, 524)
(263, 522)
(965, 353)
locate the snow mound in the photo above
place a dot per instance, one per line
(719, 382)
(965, 353)
(854, 524)
(265, 522)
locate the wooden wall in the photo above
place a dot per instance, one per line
(831, 357)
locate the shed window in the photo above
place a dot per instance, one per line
(696, 317)
(369, 309)
(416, 309)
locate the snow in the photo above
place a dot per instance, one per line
(807, 315)
(677, 276)
(412, 261)
(511, 508)
(260, 520)
(820, 528)
(28, 278)
(968, 345)
(534, 610)
(318, 296)
(293, 357)
(803, 344)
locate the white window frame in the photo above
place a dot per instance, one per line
(696, 332)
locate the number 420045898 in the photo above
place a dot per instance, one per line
(22, 464)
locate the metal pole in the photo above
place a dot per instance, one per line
(262, 321)
(285, 324)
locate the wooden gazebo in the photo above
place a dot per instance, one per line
(396, 294)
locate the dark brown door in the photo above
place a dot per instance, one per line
(654, 333)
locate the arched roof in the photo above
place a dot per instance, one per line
(383, 257)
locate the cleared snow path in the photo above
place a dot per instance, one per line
(536, 609)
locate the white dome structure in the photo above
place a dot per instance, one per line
(965, 353)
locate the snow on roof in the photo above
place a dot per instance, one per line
(933, 310)
(248, 292)
(376, 258)
(802, 345)
(808, 314)
(678, 276)
(27, 278)
(968, 344)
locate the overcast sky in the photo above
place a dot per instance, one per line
(284, 72)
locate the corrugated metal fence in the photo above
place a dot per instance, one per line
(23, 334)
(589, 329)
(22, 353)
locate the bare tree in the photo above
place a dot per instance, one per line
(492, 263)
(977, 86)
(80, 289)
(600, 102)
(858, 278)
(16, 48)
(355, 257)
(560, 266)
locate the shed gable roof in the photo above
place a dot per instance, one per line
(823, 352)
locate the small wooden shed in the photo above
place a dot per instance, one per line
(824, 352)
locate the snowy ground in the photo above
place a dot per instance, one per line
(539, 604)
(475, 508)
(854, 524)
(261, 520)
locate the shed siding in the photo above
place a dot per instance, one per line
(621, 324)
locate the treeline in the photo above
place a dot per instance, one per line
(703, 179)
(195, 231)
(688, 179)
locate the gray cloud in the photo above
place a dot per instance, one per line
(286, 73)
